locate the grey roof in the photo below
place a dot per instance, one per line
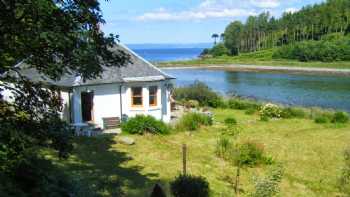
(137, 70)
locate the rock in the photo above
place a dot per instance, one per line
(126, 140)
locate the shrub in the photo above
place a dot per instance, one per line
(223, 147)
(141, 124)
(270, 111)
(240, 104)
(322, 120)
(230, 121)
(251, 111)
(219, 50)
(340, 117)
(293, 113)
(189, 186)
(200, 92)
(269, 186)
(250, 154)
(192, 121)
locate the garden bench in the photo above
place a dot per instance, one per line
(111, 123)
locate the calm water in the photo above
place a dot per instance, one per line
(169, 54)
(292, 89)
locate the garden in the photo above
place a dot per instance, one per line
(245, 148)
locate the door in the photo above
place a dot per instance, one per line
(87, 104)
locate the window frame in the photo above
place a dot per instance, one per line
(137, 96)
(155, 95)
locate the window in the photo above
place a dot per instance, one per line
(153, 95)
(136, 96)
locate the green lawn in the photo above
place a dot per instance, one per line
(263, 58)
(311, 154)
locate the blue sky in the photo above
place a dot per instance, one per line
(183, 21)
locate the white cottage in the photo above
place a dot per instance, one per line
(136, 88)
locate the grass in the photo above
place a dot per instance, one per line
(263, 58)
(312, 155)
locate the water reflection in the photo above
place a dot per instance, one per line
(293, 89)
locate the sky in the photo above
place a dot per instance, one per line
(183, 21)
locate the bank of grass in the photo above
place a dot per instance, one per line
(312, 155)
(263, 58)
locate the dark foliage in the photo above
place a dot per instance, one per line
(55, 38)
(145, 124)
(158, 191)
(190, 186)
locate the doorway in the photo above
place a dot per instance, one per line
(87, 104)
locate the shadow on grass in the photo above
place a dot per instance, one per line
(100, 168)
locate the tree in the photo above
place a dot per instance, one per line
(56, 37)
(233, 37)
(215, 37)
(310, 23)
(222, 37)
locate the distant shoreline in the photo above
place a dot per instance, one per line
(240, 67)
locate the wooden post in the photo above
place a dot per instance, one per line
(184, 154)
(237, 179)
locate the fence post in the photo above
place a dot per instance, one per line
(184, 155)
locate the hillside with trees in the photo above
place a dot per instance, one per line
(311, 26)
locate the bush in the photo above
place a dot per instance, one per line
(200, 92)
(219, 50)
(293, 113)
(192, 121)
(250, 154)
(269, 186)
(321, 120)
(144, 124)
(230, 121)
(240, 104)
(340, 117)
(270, 111)
(190, 186)
(223, 147)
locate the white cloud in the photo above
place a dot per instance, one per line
(215, 9)
(266, 3)
(199, 14)
(291, 10)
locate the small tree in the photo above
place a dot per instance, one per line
(215, 37)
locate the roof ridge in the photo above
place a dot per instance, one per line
(144, 60)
